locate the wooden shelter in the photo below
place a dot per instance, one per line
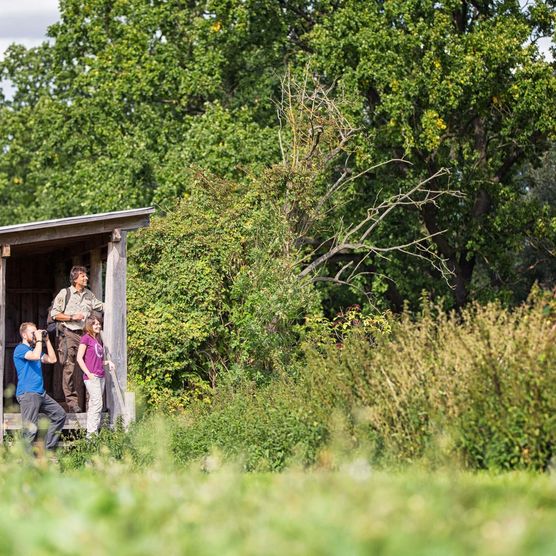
(34, 266)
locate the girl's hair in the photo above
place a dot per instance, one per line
(89, 323)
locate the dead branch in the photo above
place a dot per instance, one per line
(317, 148)
(422, 246)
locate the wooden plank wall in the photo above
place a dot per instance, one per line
(95, 273)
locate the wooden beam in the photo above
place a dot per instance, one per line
(5, 250)
(28, 290)
(3, 263)
(117, 218)
(130, 408)
(95, 273)
(53, 233)
(74, 421)
(115, 326)
(69, 247)
(61, 276)
(116, 235)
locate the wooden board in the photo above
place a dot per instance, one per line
(12, 421)
(115, 329)
(95, 273)
(71, 228)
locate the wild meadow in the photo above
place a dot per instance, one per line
(402, 440)
(112, 505)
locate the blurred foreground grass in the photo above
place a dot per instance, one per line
(112, 507)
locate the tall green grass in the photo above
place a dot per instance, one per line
(473, 390)
(112, 507)
(476, 389)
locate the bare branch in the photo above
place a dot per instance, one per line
(320, 139)
(344, 180)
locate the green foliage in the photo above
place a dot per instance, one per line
(537, 263)
(110, 507)
(452, 85)
(129, 94)
(321, 331)
(211, 291)
(264, 428)
(478, 386)
(224, 142)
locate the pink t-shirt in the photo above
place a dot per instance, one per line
(94, 356)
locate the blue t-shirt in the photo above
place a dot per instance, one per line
(29, 373)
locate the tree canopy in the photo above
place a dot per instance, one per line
(456, 85)
(131, 98)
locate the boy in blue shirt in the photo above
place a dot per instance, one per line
(30, 392)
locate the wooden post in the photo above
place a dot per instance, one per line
(95, 274)
(3, 261)
(115, 309)
(61, 277)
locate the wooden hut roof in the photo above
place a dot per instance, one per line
(51, 233)
(74, 226)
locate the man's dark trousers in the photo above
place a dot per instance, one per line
(68, 344)
(31, 405)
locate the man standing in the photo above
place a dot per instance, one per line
(80, 304)
(30, 393)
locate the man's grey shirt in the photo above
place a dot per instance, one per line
(84, 302)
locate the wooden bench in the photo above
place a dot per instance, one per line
(74, 421)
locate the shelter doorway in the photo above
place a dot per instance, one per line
(32, 281)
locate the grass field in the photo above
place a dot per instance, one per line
(110, 507)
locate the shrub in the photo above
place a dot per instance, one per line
(265, 428)
(211, 292)
(480, 384)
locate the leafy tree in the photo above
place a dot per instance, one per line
(453, 84)
(132, 96)
(537, 262)
(131, 93)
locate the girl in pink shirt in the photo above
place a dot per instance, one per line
(90, 357)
